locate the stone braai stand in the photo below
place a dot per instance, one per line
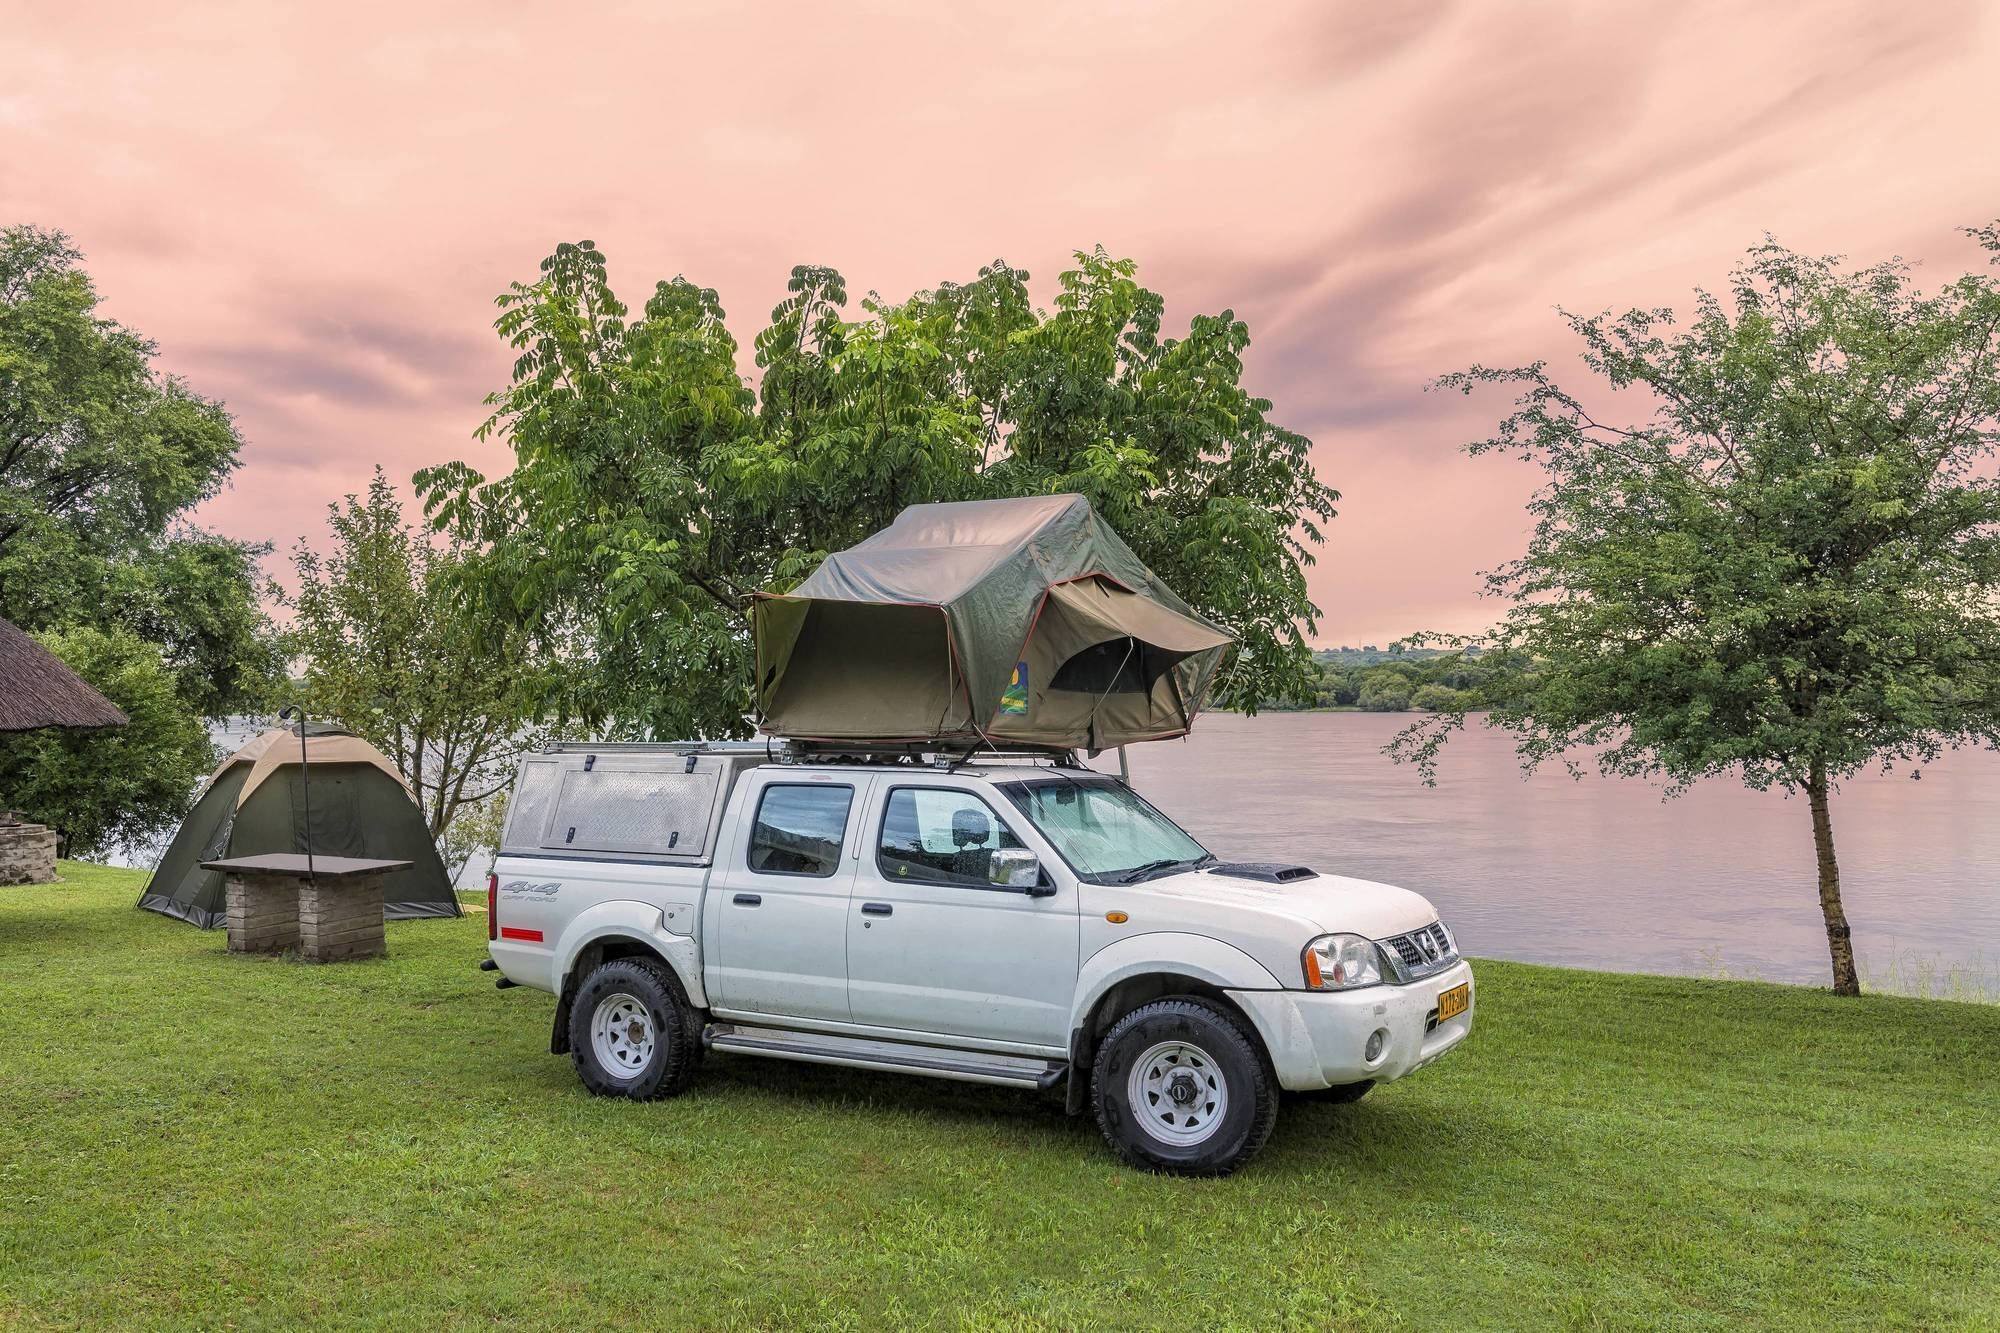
(330, 911)
(27, 851)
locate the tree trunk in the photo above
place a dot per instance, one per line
(1839, 939)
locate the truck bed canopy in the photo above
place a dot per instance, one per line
(1024, 620)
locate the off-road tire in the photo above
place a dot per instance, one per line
(676, 1029)
(1243, 1125)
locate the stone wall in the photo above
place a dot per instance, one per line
(326, 921)
(263, 912)
(341, 919)
(27, 851)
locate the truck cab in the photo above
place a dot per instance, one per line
(1016, 920)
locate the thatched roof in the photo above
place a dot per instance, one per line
(37, 690)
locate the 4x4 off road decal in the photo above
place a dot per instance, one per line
(518, 888)
(1014, 699)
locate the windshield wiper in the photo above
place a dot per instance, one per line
(1152, 868)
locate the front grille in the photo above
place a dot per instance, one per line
(1422, 952)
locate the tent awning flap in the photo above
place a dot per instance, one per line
(1118, 613)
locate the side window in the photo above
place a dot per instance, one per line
(799, 829)
(942, 837)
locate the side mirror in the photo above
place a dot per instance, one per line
(1016, 868)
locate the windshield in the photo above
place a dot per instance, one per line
(1104, 830)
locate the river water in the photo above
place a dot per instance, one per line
(1603, 872)
(1600, 872)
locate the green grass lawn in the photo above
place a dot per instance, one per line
(189, 1138)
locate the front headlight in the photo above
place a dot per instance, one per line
(1342, 962)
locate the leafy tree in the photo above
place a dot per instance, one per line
(120, 786)
(389, 648)
(1787, 570)
(1385, 691)
(1464, 678)
(654, 491)
(101, 457)
(1435, 698)
(475, 833)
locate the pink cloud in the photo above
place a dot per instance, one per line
(311, 210)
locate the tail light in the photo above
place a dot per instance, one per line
(492, 906)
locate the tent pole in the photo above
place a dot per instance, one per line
(1124, 768)
(305, 787)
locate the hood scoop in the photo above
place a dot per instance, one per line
(1264, 872)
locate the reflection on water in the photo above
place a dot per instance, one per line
(1601, 872)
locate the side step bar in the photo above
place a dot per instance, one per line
(820, 1048)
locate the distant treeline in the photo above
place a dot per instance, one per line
(1379, 680)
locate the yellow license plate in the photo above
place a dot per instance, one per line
(1454, 1002)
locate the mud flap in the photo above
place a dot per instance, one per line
(1076, 1096)
(559, 1033)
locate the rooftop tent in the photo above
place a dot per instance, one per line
(255, 802)
(1023, 620)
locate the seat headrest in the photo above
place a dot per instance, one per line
(970, 827)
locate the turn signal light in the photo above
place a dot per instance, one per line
(1116, 918)
(492, 905)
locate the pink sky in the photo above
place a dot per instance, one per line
(310, 208)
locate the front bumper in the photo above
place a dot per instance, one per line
(1318, 1039)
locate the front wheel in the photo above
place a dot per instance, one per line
(1179, 1087)
(632, 1033)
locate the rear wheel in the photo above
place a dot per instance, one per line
(1179, 1087)
(632, 1032)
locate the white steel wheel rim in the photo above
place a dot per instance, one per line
(1178, 1093)
(621, 1035)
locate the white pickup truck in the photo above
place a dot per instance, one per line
(1005, 921)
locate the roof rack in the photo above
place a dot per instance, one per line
(656, 747)
(919, 752)
(789, 750)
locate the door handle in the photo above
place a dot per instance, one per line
(876, 909)
(748, 899)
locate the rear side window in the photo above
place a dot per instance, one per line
(938, 836)
(799, 829)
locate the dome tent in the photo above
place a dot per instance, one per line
(254, 803)
(1025, 620)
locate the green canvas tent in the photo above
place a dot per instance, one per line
(1027, 620)
(254, 803)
